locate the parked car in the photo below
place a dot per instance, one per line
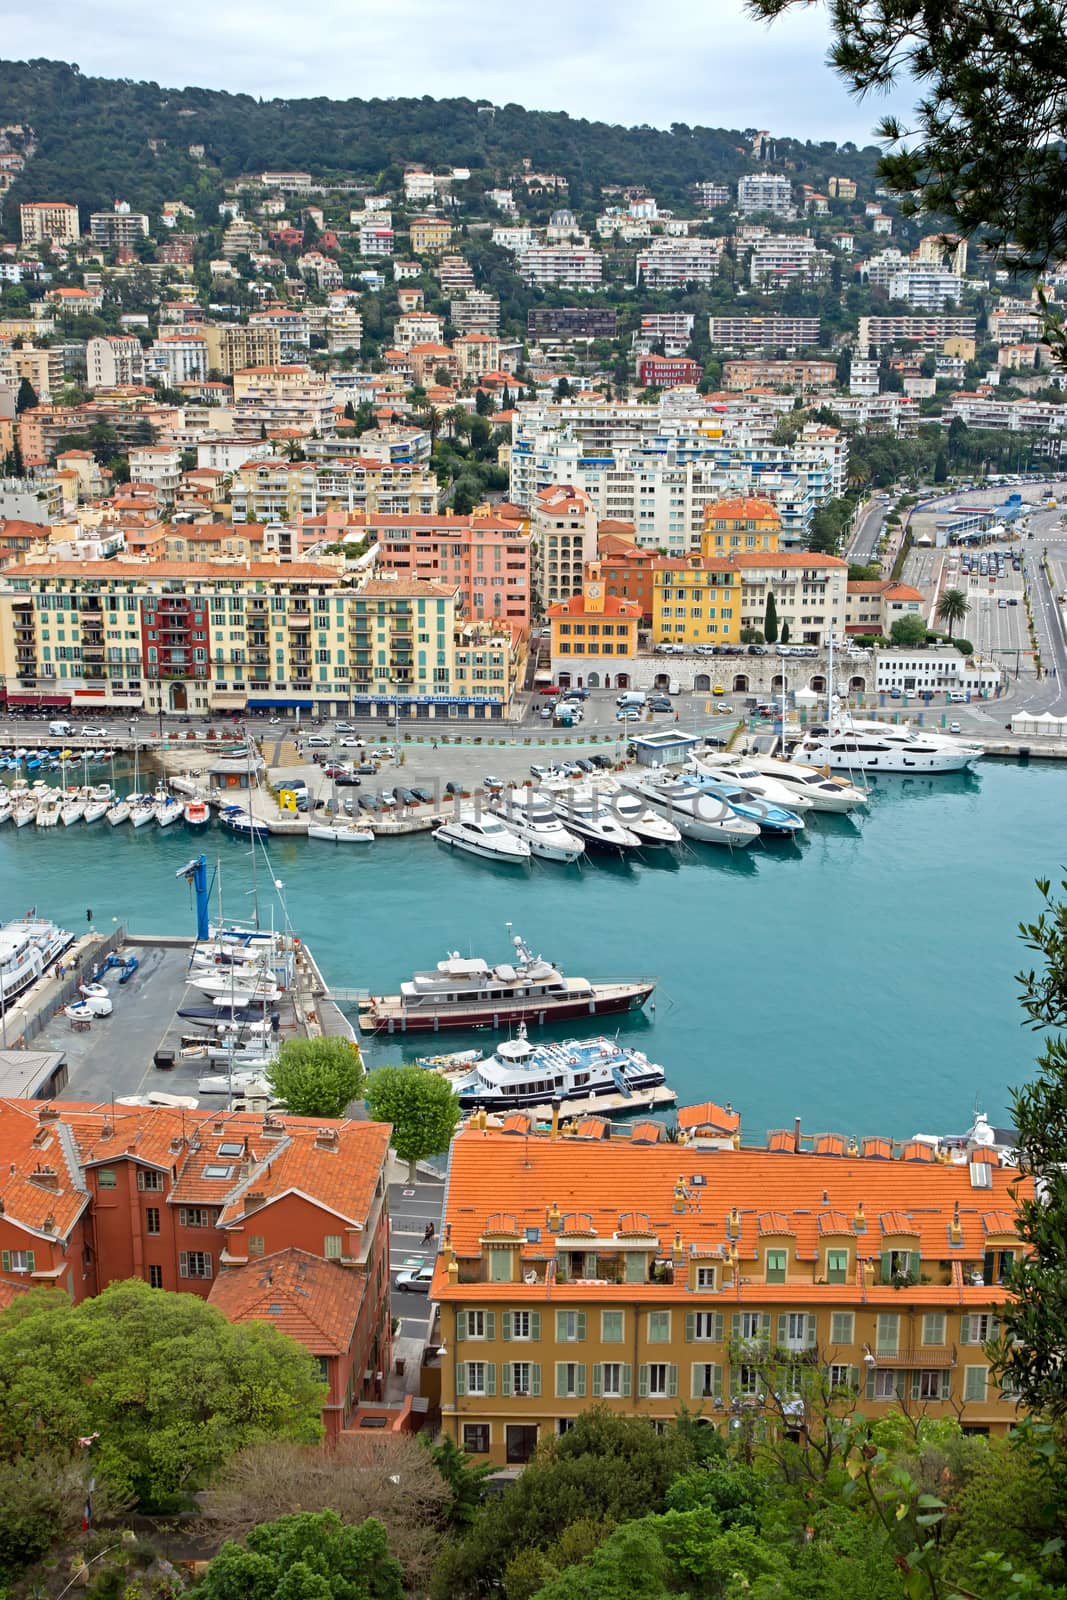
(421, 794)
(317, 741)
(576, 694)
(407, 797)
(494, 785)
(953, 727)
(585, 765)
(416, 1281)
(347, 780)
(546, 713)
(724, 710)
(718, 689)
(352, 744)
(369, 802)
(387, 798)
(366, 769)
(601, 761)
(629, 714)
(757, 650)
(661, 703)
(344, 727)
(549, 688)
(538, 772)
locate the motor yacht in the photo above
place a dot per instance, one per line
(520, 1074)
(884, 747)
(27, 949)
(236, 819)
(470, 993)
(528, 815)
(637, 816)
(800, 783)
(48, 809)
(768, 817)
(480, 834)
(740, 770)
(587, 812)
(694, 812)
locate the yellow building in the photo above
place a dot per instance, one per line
(429, 234)
(696, 601)
(578, 1270)
(593, 638)
(742, 524)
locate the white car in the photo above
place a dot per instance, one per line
(351, 744)
(415, 1282)
(724, 711)
(317, 741)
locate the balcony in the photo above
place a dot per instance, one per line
(921, 1357)
(297, 618)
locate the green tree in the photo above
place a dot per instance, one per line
(43, 1497)
(908, 631)
(770, 619)
(785, 633)
(420, 1105)
(317, 1077)
(952, 607)
(311, 1555)
(941, 467)
(26, 398)
(171, 1387)
(465, 1479)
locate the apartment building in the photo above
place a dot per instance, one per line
(696, 600)
(580, 1268)
(418, 327)
(797, 377)
(668, 372)
(376, 239)
(672, 329)
(571, 322)
(594, 637)
(49, 222)
(766, 192)
(454, 274)
(429, 234)
(119, 228)
(273, 397)
(234, 347)
(783, 259)
(1014, 324)
(477, 312)
(712, 196)
(487, 559)
(770, 334)
(477, 354)
(294, 332)
(873, 605)
(114, 362)
(277, 490)
(42, 368)
(673, 263)
(344, 327)
(931, 333)
(624, 568)
(928, 288)
(254, 1214)
(743, 524)
(809, 592)
(564, 528)
(177, 358)
(563, 266)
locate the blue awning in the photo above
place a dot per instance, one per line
(280, 705)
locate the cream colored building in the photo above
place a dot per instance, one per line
(477, 354)
(274, 397)
(809, 593)
(235, 347)
(42, 368)
(114, 362)
(563, 523)
(49, 221)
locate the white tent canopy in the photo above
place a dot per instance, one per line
(1041, 724)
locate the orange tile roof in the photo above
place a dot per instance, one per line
(787, 558)
(749, 507)
(10, 1291)
(902, 591)
(29, 1145)
(341, 1178)
(406, 589)
(611, 606)
(724, 1117)
(173, 569)
(314, 1301)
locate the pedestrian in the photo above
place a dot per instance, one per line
(428, 1233)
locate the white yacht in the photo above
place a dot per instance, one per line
(588, 813)
(24, 810)
(119, 812)
(884, 747)
(482, 835)
(696, 813)
(528, 815)
(27, 949)
(637, 815)
(338, 830)
(72, 810)
(243, 989)
(142, 809)
(751, 777)
(577, 1070)
(798, 783)
(48, 809)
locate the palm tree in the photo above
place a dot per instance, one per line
(952, 607)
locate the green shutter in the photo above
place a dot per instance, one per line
(505, 1324)
(581, 1380)
(994, 1322)
(868, 1388)
(965, 1330)
(765, 1325)
(854, 1378)
(535, 1325)
(783, 1327)
(461, 1377)
(626, 1379)
(535, 1377)
(30, 1260)
(598, 1379)
(737, 1325)
(672, 1379)
(690, 1326)
(989, 1266)
(717, 1328)
(886, 1274)
(811, 1330)
(716, 1380)
(5, 1260)
(581, 1325)
(490, 1324)
(461, 1325)
(561, 1326)
(505, 1379)
(561, 1379)
(590, 1264)
(642, 1381)
(490, 1377)
(696, 1379)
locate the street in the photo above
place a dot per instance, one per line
(411, 1207)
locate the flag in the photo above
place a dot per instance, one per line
(87, 1514)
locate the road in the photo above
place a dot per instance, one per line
(411, 1207)
(864, 546)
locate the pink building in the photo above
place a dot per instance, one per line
(486, 556)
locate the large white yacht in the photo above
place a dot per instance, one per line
(27, 949)
(577, 1070)
(802, 787)
(751, 777)
(884, 747)
(482, 835)
(695, 813)
(637, 815)
(528, 815)
(588, 813)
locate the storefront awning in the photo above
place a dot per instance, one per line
(51, 700)
(280, 704)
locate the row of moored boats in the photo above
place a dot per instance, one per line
(47, 807)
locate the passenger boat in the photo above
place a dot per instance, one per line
(469, 993)
(27, 949)
(528, 815)
(482, 835)
(523, 1074)
(696, 813)
(852, 746)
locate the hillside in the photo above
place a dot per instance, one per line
(98, 139)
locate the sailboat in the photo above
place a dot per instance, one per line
(329, 825)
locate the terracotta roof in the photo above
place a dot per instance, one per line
(724, 1117)
(902, 591)
(32, 1144)
(406, 589)
(788, 558)
(10, 1291)
(314, 1301)
(284, 572)
(749, 507)
(611, 606)
(342, 1177)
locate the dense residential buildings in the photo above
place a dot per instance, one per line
(930, 333)
(285, 491)
(772, 334)
(119, 227)
(487, 558)
(429, 234)
(564, 528)
(580, 1268)
(114, 361)
(667, 372)
(797, 377)
(235, 347)
(782, 259)
(571, 322)
(562, 266)
(672, 263)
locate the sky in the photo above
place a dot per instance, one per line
(622, 61)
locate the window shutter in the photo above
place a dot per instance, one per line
(590, 1264)
(736, 1320)
(31, 1260)
(561, 1326)
(717, 1329)
(994, 1322)
(461, 1377)
(581, 1380)
(696, 1379)
(505, 1376)
(868, 1388)
(535, 1377)
(581, 1325)
(765, 1325)
(886, 1273)
(989, 1266)
(626, 1380)
(735, 1380)
(598, 1379)
(535, 1324)
(461, 1325)
(490, 1376)
(490, 1324)
(965, 1330)
(207, 1266)
(561, 1378)
(854, 1378)
(915, 1386)
(642, 1381)
(783, 1328)
(5, 1260)
(690, 1326)
(811, 1330)
(672, 1379)
(505, 1324)
(716, 1381)
(183, 1263)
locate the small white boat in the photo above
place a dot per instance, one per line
(156, 1097)
(340, 832)
(73, 811)
(239, 1082)
(79, 1011)
(119, 812)
(482, 835)
(197, 814)
(5, 806)
(95, 809)
(244, 989)
(451, 1061)
(48, 810)
(142, 810)
(23, 811)
(167, 809)
(97, 999)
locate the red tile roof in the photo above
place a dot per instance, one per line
(708, 1113)
(610, 606)
(312, 1300)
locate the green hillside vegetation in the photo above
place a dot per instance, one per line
(93, 143)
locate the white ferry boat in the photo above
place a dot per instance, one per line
(523, 1074)
(27, 949)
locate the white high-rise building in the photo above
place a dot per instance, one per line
(765, 191)
(114, 362)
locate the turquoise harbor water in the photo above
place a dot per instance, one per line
(862, 979)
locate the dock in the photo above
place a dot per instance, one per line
(596, 1105)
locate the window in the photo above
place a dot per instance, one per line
(658, 1380)
(704, 1325)
(500, 1269)
(564, 1425)
(151, 1219)
(930, 1385)
(752, 1326)
(659, 1327)
(149, 1180)
(775, 1266)
(841, 1376)
(155, 1277)
(105, 1178)
(611, 1327)
(331, 1246)
(194, 1217)
(842, 1327)
(476, 1438)
(194, 1264)
(707, 1381)
(744, 1380)
(998, 1265)
(837, 1266)
(887, 1334)
(882, 1386)
(570, 1380)
(17, 1260)
(796, 1330)
(231, 1149)
(570, 1326)
(974, 1383)
(476, 1377)
(476, 1325)
(934, 1327)
(522, 1378)
(706, 1277)
(611, 1379)
(256, 1244)
(521, 1325)
(215, 1171)
(978, 1328)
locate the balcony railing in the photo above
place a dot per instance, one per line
(922, 1357)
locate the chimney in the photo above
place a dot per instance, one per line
(254, 1199)
(326, 1139)
(859, 1218)
(47, 1114)
(555, 1219)
(678, 1200)
(796, 1135)
(45, 1178)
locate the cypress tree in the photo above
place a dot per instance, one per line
(770, 621)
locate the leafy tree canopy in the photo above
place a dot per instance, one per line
(420, 1105)
(311, 1555)
(317, 1077)
(908, 630)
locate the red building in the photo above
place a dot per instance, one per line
(202, 1202)
(667, 372)
(174, 637)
